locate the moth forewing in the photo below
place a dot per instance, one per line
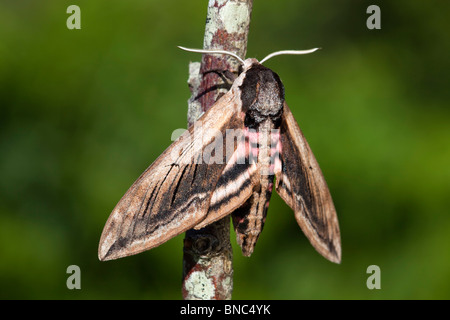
(172, 195)
(301, 184)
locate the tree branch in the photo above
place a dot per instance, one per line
(207, 258)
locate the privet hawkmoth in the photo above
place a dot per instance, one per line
(226, 163)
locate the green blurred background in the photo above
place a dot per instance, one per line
(84, 112)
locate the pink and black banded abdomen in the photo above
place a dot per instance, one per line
(262, 148)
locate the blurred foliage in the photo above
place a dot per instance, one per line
(84, 112)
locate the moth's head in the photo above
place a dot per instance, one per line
(261, 94)
(261, 90)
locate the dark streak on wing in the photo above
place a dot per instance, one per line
(178, 185)
(195, 172)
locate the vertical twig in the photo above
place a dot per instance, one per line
(207, 259)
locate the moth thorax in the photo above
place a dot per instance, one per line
(262, 95)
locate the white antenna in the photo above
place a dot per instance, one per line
(213, 52)
(273, 54)
(277, 53)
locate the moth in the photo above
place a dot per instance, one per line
(203, 177)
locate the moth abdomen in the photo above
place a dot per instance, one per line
(249, 219)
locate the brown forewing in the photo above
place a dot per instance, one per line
(172, 195)
(302, 186)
